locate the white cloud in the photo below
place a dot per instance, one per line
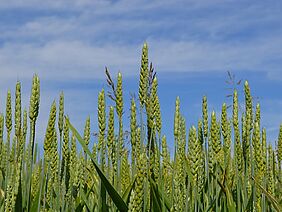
(78, 59)
(49, 4)
(81, 44)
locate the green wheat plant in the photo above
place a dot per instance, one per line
(224, 162)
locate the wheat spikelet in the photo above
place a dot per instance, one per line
(166, 166)
(1, 136)
(137, 196)
(87, 131)
(177, 117)
(257, 117)
(61, 113)
(258, 163)
(158, 115)
(34, 110)
(279, 147)
(35, 182)
(24, 129)
(50, 131)
(34, 99)
(179, 195)
(111, 136)
(125, 172)
(215, 139)
(102, 126)
(247, 127)
(144, 74)
(66, 139)
(133, 130)
(194, 154)
(119, 96)
(205, 116)
(237, 143)
(200, 131)
(138, 142)
(270, 174)
(8, 118)
(264, 150)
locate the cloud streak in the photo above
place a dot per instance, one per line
(193, 36)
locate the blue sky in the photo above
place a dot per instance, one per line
(192, 45)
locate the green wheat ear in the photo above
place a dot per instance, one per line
(8, 118)
(87, 131)
(258, 163)
(111, 136)
(238, 147)
(119, 96)
(194, 153)
(50, 132)
(270, 173)
(102, 125)
(144, 75)
(137, 195)
(18, 111)
(133, 125)
(205, 116)
(177, 117)
(1, 133)
(61, 113)
(279, 146)
(34, 99)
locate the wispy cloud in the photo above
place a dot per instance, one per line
(184, 36)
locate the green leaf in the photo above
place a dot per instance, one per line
(79, 208)
(250, 202)
(118, 201)
(127, 192)
(19, 199)
(273, 201)
(156, 202)
(85, 199)
(160, 195)
(36, 202)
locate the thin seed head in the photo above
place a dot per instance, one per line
(87, 131)
(158, 115)
(258, 114)
(270, 174)
(177, 117)
(205, 116)
(66, 139)
(9, 112)
(111, 135)
(144, 74)
(34, 99)
(1, 129)
(119, 96)
(235, 110)
(24, 122)
(264, 150)
(200, 132)
(279, 146)
(61, 113)
(18, 110)
(102, 125)
(50, 131)
(133, 128)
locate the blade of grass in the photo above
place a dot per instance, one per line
(120, 204)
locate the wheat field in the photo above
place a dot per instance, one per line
(220, 164)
